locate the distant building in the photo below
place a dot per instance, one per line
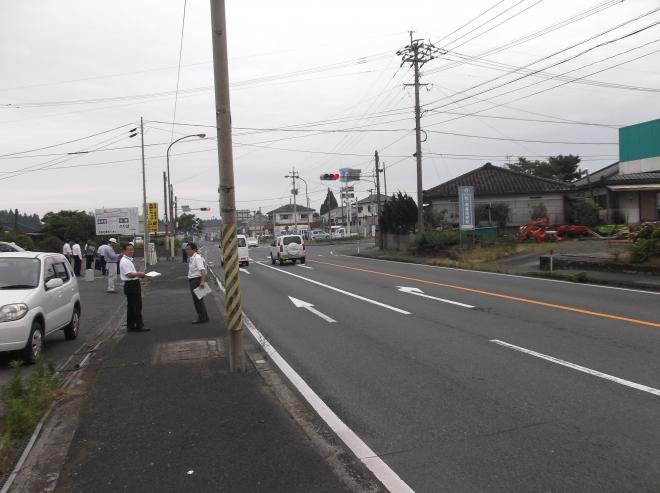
(494, 185)
(282, 219)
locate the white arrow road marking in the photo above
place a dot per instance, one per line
(347, 293)
(583, 369)
(419, 292)
(304, 266)
(244, 270)
(308, 306)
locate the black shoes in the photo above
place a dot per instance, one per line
(140, 329)
(200, 321)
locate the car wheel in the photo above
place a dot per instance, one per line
(293, 260)
(302, 260)
(35, 344)
(71, 330)
(247, 264)
(272, 259)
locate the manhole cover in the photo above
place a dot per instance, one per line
(177, 351)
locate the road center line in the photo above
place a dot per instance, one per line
(499, 295)
(327, 286)
(583, 369)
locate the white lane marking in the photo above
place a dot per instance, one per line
(266, 258)
(583, 369)
(500, 274)
(319, 255)
(362, 451)
(419, 292)
(304, 266)
(308, 306)
(347, 293)
(244, 270)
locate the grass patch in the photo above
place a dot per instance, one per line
(24, 401)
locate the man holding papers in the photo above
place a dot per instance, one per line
(132, 290)
(196, 279)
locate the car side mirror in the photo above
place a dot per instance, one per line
(54, 283)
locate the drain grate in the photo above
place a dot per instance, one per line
(181, 351)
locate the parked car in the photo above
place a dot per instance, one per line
(252, 242)
(287, 247)
(38, 296)
(243, 253)
(319, 234)
(10, 247)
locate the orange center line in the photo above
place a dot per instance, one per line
(498, 295)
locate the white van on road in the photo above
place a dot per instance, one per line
(243, 251)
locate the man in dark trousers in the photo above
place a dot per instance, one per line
(132, 290)
(196, 278)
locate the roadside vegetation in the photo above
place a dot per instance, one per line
(24, 400)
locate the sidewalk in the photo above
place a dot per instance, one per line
(163, 413)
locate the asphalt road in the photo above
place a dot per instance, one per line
(470, 381)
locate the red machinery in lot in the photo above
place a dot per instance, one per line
(541, 230)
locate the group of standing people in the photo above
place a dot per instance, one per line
(113, 264)
(133, 291)
(74, 255)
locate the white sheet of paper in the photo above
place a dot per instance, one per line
(201, 292)
(152, 274)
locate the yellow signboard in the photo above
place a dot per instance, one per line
(153, 217)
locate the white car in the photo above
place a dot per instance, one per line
(287, 247)
(10, 247)
(38, 296)
(319, 235)
(252, 242)
(243, 253)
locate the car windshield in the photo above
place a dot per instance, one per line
(292, 239)
(241, 242)
(19, 273)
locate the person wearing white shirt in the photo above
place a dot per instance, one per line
(77, 258)
(66, 251)
(131, 277)
(111, 259)
(196, 278)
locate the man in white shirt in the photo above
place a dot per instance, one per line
(66, 250)
(196, 278)
(77, 258)
(111, 259)
(132, 290)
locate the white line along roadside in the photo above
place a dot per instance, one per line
(583, 369)
(347, 293)
(419, 292)
(368, 457)
(309, 307)
(362, 451)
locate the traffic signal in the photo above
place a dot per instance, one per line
(205, 209)
(330, 176)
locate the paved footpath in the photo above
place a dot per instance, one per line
(162, 413)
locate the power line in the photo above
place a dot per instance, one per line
(64, 143)
(178, 71)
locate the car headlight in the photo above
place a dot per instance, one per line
(15, 311)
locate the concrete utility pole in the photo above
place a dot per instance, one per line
(417, 53)
(145, 212)
(165, 202)
(380, 235)
(294, 192)
(227, 189)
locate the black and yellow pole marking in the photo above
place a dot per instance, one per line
(232, 278)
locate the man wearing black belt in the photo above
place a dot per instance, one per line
(132, 290)
(196, 277)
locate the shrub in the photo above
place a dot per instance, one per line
(583, 211)
(50, 244)
(24, 241)
(432, 241)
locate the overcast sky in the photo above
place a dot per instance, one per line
(72, 69)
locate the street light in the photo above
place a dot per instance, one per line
(170, 222)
